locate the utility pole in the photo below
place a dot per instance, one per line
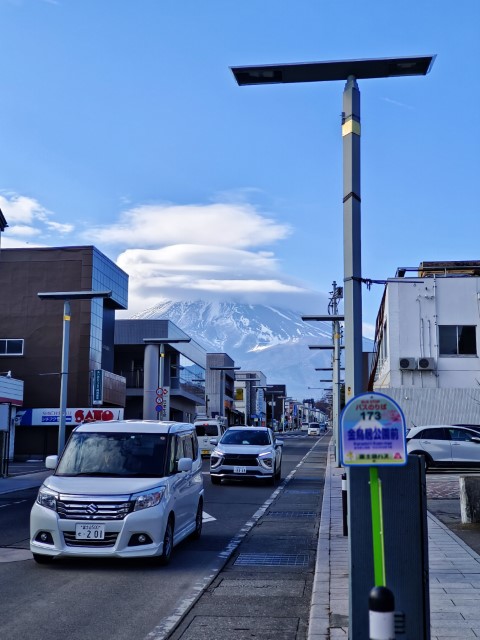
(335, 295)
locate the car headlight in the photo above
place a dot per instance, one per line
(148, 499)
(265, 459)
(216, 458)
(47, 498)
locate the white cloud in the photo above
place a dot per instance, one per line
(213, 251)
(23, 231)
(192, 271)
(222, 224)
(368, 331)
(27, 218)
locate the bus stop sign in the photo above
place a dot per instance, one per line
(372, 432)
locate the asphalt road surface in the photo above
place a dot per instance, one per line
(82, 599)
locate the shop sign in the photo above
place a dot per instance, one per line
(42, 417)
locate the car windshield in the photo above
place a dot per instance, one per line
(246, 437)
(125, 455)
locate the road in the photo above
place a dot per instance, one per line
(125, 600)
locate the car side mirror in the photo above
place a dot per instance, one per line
(476, 439)
(279, 443)
(214, 441)
(51, 462)
(185, 464)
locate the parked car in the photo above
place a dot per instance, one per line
(313, 429)
(445, 445)
(246, 452)
(127, 488)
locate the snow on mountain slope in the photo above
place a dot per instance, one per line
(259, 338)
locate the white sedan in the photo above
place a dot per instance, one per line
(246, 452)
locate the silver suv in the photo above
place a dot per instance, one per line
(246, 452)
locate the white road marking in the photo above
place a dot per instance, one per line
(208, 518)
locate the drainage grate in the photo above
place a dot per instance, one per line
(271, 560)
(292, 514)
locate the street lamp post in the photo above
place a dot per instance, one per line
(349, 71)
(67, 296)
(154, 378)
(335, 320)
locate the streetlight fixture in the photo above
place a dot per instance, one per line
(155, 406)
(67, 296)
(351, 71)
(222, 384)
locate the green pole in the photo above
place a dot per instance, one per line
(377, 528)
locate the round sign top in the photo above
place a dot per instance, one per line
(372, 432)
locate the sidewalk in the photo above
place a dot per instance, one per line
(25, 481)
(454, 575)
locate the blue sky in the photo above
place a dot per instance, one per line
(122, 126)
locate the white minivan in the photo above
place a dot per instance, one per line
(127, 488)
(209, 428)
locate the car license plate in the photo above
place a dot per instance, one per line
(239, 469)
(90, 531)
(205, 452)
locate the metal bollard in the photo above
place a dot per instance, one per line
(381, 611)
(344, 504)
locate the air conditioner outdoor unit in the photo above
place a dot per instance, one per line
(408, 363)
(426, 364)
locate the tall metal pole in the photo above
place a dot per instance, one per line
(222, 391)
(353, 326)
(64, 375)
(336, 387)
(150, 381)
(352, 239)
(165, 414)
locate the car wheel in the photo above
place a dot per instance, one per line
(164, 559)
(279, 472)
(198, 521)
(271, 479)
(215, 480)
(40, 558)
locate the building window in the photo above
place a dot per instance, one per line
(11, 347)
(457, 340)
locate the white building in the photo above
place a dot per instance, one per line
(427, 337)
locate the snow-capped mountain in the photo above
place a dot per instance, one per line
(258, 338)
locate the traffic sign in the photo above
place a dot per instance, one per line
(372, 432)
(159, 408)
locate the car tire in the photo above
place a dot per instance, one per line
(278, 472)
(215, 480)
(272, 479)
(198, 521)
(165, 558)
(40, 558)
